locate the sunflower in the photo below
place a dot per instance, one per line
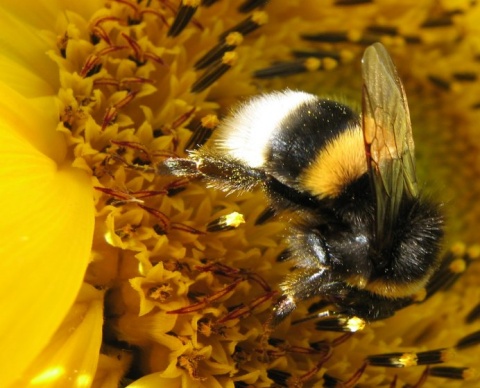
(123, 277)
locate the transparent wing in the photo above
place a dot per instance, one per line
(388, 138)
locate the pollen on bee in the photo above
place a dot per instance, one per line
(226, 222)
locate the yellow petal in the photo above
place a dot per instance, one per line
(71, 358)
(46, 230)
(25, 55)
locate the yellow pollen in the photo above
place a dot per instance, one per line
(210, 121)
(230, 58)
(234, 219)
(458, 249)
(329, 64)
(234, 39)
(355, 324)
(408, 359)
(260, 17)
(458, 266)
(312, 64)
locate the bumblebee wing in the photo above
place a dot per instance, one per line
(388, 138)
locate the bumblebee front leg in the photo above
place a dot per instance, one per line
(220, 171)
(301, 284)
(305, 283)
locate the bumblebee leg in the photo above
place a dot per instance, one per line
(282, 309)
(302, 284)
(178, 167)
(307, 283)
(220, 171)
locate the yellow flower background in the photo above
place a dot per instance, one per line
(98, 251)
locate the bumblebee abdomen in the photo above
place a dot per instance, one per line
(311, 145)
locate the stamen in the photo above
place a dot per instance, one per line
(453, 265)
(355, 377)
(243, 311)
(165, 224)
(111, 113)
(122, 196)
(474, 314)
(185, 13)
(250, 5)
(215, 72)
(440, 83)
(92, 66)
(283, 69)
(465, 76)
(442, 21)
(103, 19)
(207, 300)
(351, 2)
(340, 324)
(435, 356)
(140, 56)
(403, 360)
(130, 5)
(300, 381)
(279, 377)
(227, 222)
(157, 13)
(230, 43)
(266, 215)
(469, 340)
(396, 360)
(104, 81)
(185, 228)
(202, 132)
(250, 24)
(327, 37)
(320, 54)
(412, 39)
(234, 273)
(99, 33)
(135, 80)
(453, 373)
(383, 30)
(208, 3)
(62, 42)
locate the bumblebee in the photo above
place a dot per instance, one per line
(362, 236)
